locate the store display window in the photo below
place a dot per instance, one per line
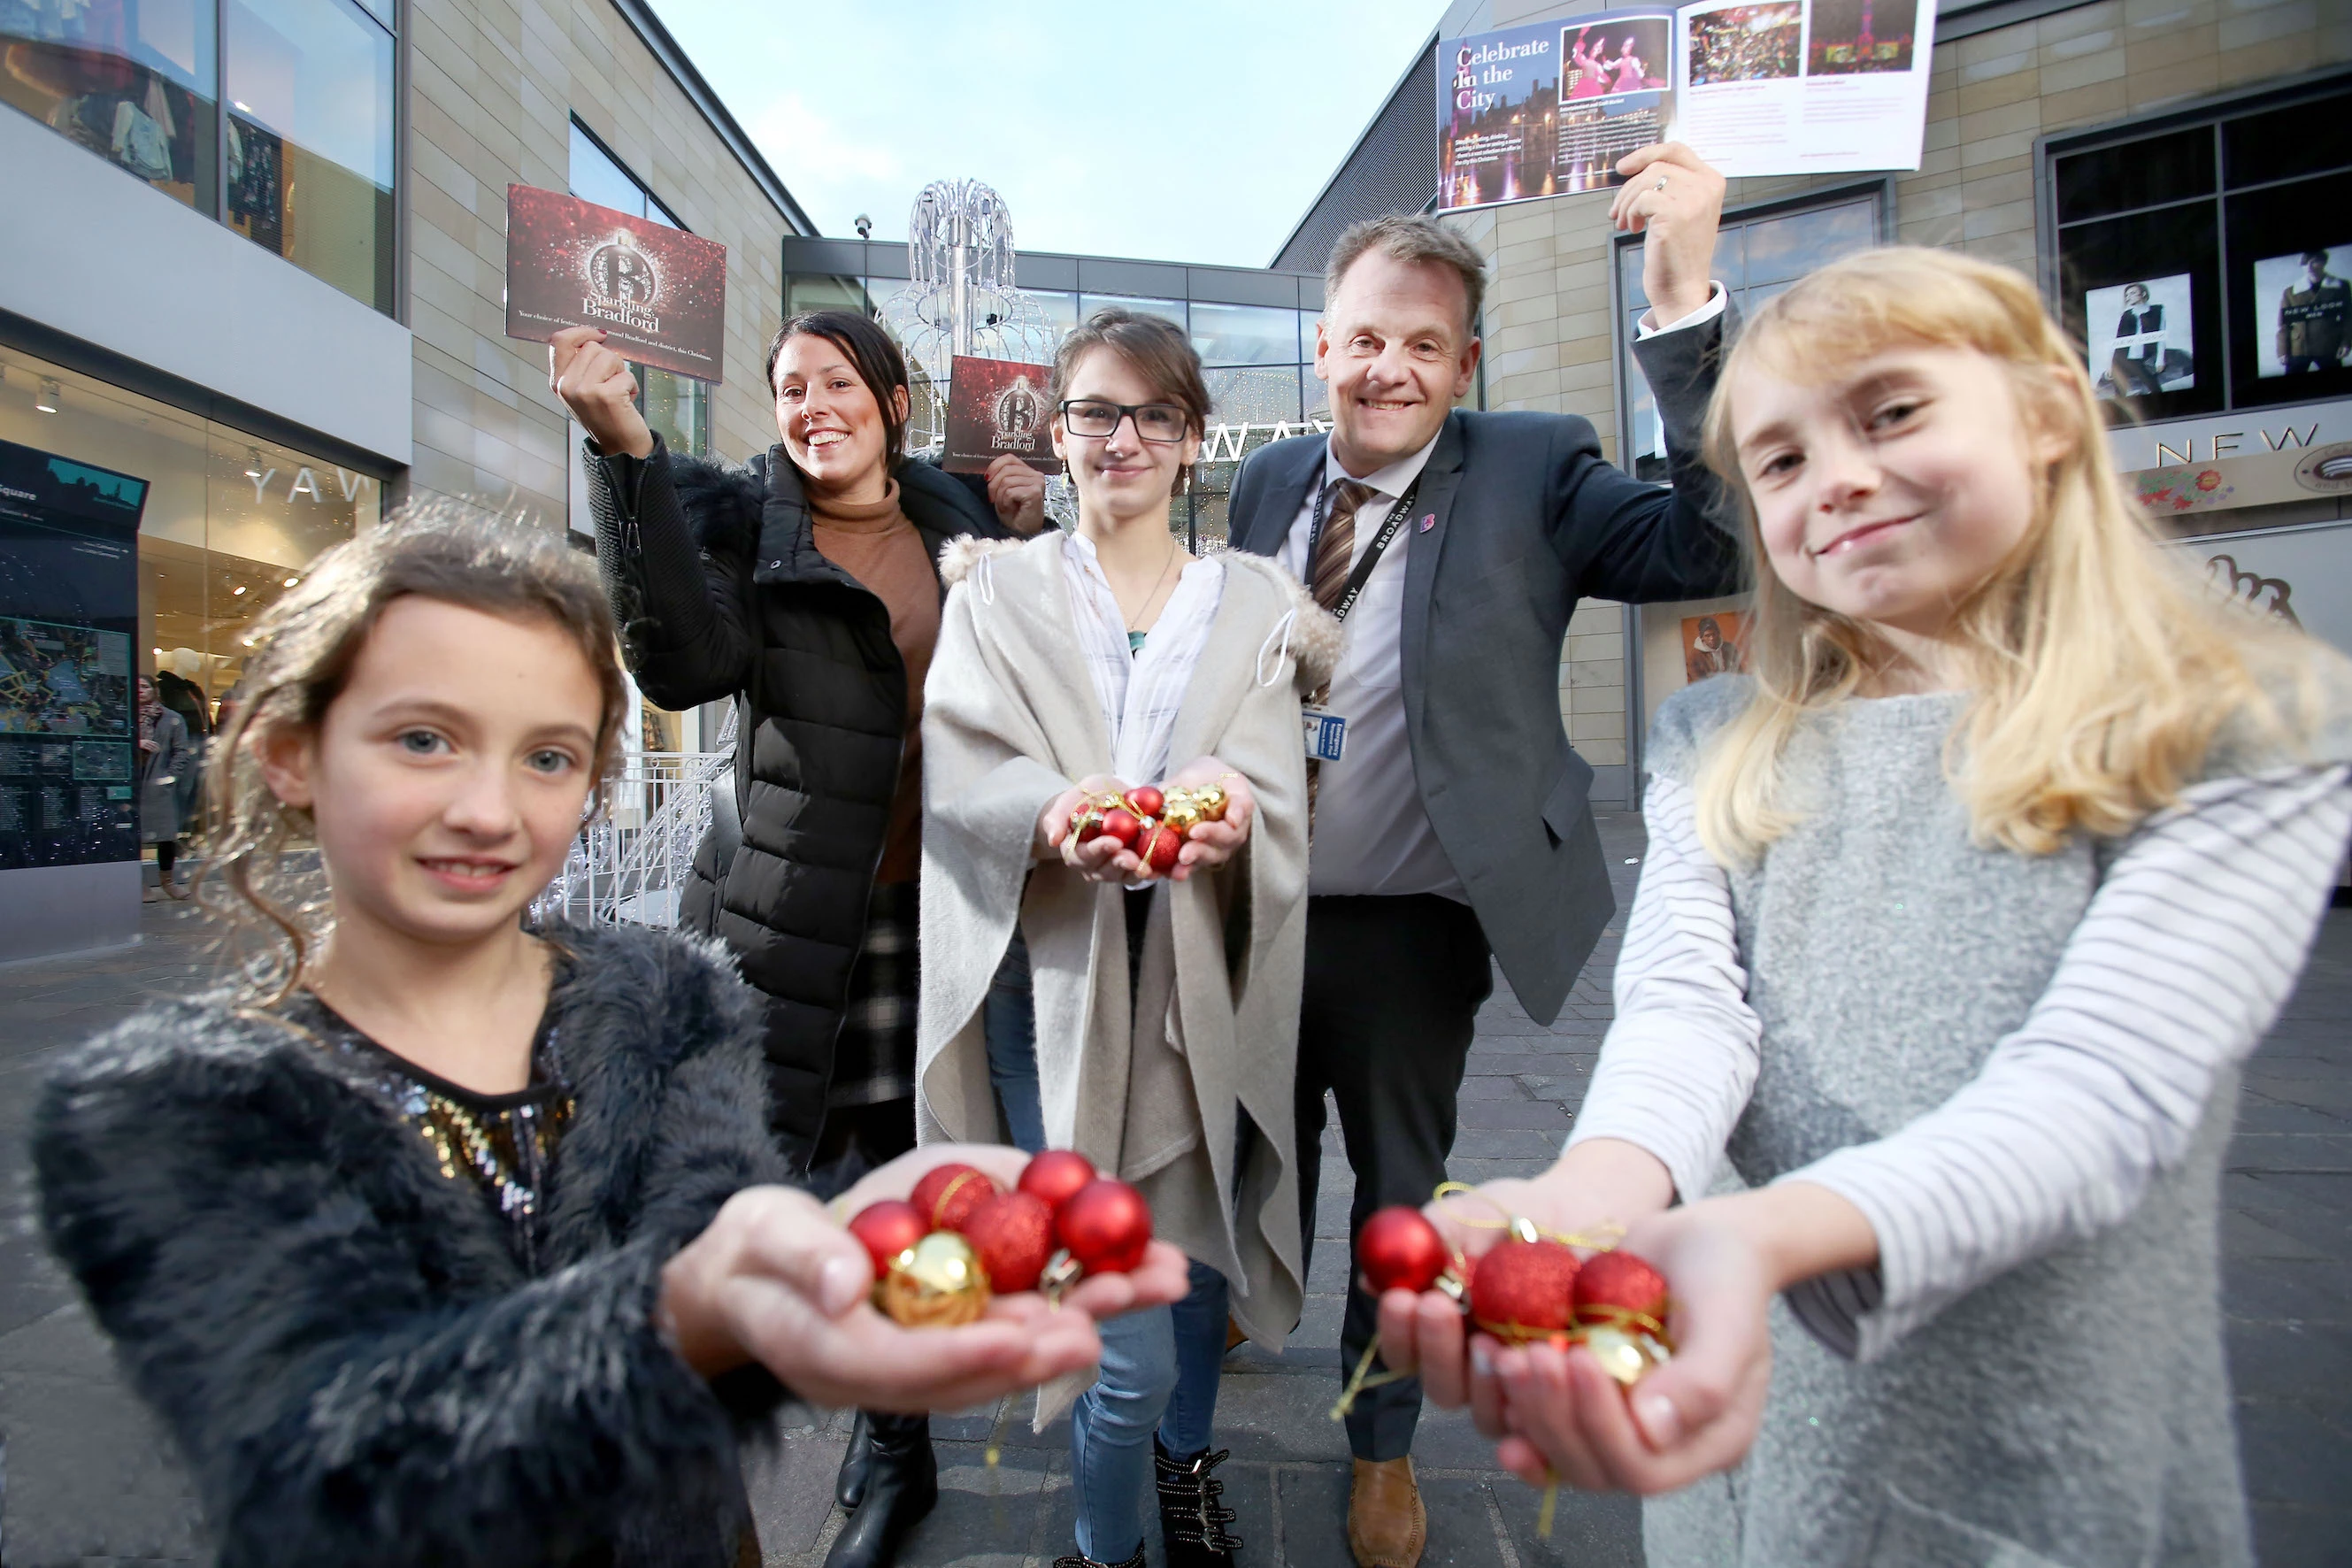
(677, 406)
(2204, 259)
(229, 522)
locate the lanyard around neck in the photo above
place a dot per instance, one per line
(1372, 556)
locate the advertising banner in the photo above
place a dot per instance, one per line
(1787, 87)
(659, 293)
(68, 610)
(995, 407)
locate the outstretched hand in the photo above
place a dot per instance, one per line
(1212, 844)
(1675, 197)
(594, 381)
(1099, 859)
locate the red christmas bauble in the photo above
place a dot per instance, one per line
(1122, 825)
(889, 1228)
(1105, 1225)
(1524, 1290)
(1399, 1249)
(1057, 1174)
(1086, 824)
(1145, 800)
(1613, 1282)
(947, 1193)
(1013, 1234)
(1159, 849)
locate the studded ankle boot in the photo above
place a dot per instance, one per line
(1191, 1521)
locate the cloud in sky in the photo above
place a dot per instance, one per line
(1185, 131)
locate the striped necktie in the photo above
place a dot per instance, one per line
(1335, 552)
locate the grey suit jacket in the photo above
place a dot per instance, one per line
(1526, 520)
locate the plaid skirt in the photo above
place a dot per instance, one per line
(874, 1055)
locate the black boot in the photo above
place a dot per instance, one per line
(857, 1460)
(1074, 1561)
(902, 1485)
(1191, 1521)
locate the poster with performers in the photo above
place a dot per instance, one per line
(995, 407)
(1760, 87)
(659, 293)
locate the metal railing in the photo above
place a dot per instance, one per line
(629, 866)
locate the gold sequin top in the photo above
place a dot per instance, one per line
(503, 1143)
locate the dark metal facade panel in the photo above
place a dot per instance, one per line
(1393, 168)
(1232, 286)
(1037, 270)
(1144, 279)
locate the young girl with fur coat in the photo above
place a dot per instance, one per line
(1167, 1009)
(436, 1239)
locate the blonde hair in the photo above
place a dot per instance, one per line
(2100, 670)
(305, 647)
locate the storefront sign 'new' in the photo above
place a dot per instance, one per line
(659, 293)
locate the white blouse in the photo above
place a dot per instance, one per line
(1142, 689)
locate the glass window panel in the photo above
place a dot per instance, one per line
(1259, 395)
(2302, 139)
(677, 407)
(815, 291)
(2137, 175)
(1060, 311)
(1243, 334)
(1781, 249)
(1647, 460)
(310, 145)
(2290, 317)
(595, 177)
(1171, 309)
(2158, 357)
(132, 81)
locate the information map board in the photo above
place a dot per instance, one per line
(1788, 87)
(68, 611)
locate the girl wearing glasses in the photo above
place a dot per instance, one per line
(1167, 1007)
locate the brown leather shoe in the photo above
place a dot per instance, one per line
(1387, 1526)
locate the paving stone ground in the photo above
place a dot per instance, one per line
(86, 1479)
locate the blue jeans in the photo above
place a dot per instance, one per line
(1159, 1369)
(1009, 1021)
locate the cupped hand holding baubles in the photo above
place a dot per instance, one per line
(594, 381)
(1110, 831)
(1211, 843)
(1100, 857)
(777, 1280)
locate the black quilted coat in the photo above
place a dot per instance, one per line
(339, 1336)
(721, 592)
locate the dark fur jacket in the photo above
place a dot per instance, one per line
(339, 1336)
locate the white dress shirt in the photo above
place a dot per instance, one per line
(1140, 690)
(1372, 833)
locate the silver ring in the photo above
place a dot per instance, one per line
(1661, 183)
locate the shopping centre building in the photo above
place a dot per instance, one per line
(252, 293)
(2195, 148)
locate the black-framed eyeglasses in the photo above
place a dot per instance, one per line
(1158, 422)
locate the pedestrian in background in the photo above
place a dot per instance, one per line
(166, 761)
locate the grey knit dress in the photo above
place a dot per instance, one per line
(2071, 1409)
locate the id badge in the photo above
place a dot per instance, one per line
(1326, 733)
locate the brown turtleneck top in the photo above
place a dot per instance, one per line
(875, 544)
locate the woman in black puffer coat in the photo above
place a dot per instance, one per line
(805, 586)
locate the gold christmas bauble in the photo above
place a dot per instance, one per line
(937, 1284)
(1211, 799)
(1182, 814)
(1624, 1353)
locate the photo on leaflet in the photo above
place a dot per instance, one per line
(1850, 35)
(2302, 312)
(1747, 42)
(1715, 644)
(1498, 118)
(2138, 337)
(1615, 73)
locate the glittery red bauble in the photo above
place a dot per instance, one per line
(1057, 1174)
(1399, 1249)
(1013, 1234)
(1121, 825)
(1105, 1225)
(1524, 1290)
(1613, 1282)
(1087, 824)
(889, 1228)
(1145, 800)
(1158, 848)
(947, 1193)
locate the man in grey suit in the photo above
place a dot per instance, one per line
(1452, 822)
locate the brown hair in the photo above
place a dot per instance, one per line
(1414, 239)
(305, 646)
(1154, 346)
(872, 354)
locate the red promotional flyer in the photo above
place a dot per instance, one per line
(996, 406)
(659, 293)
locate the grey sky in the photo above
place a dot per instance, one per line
(1182, 130)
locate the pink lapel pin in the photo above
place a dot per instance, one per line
(1428, 522)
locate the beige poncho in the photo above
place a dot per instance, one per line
(1010, 720)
